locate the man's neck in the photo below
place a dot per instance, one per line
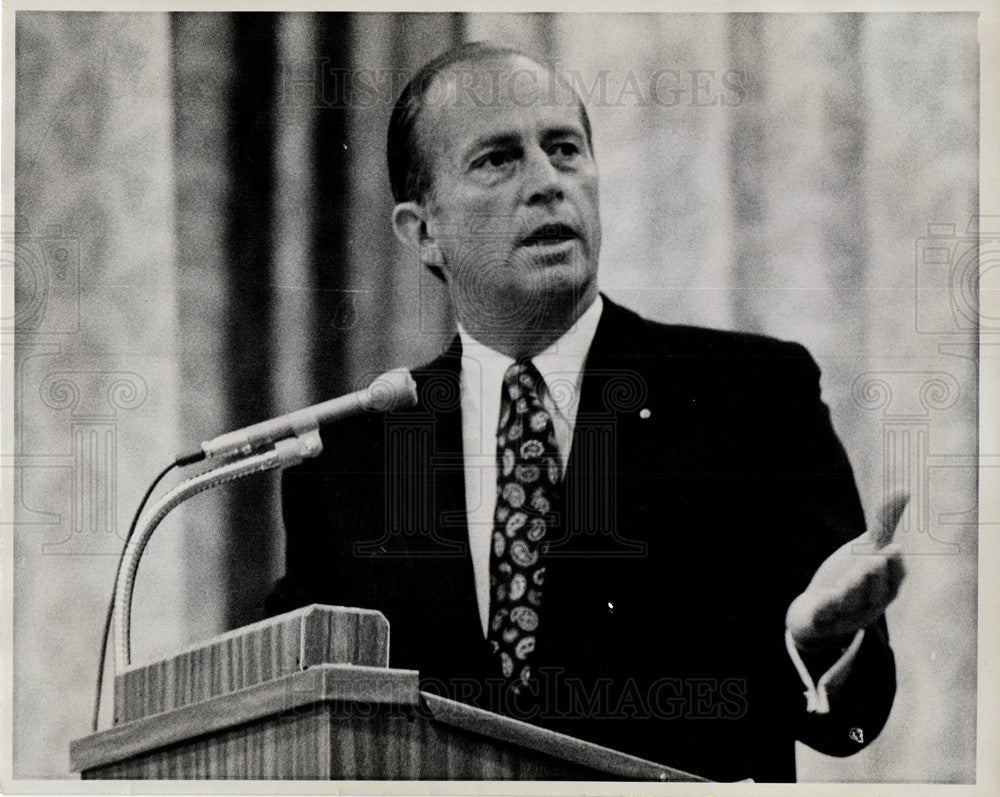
(531, 336)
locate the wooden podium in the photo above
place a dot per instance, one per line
(309, 695)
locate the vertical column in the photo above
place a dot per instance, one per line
(253, 504)
(93, 464)
(204, 70)
(299, 74)
(400, 310)
(907, 403)
(332, 151)
(225, 106)
(748, 166)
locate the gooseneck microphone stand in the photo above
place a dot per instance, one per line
(274, 444)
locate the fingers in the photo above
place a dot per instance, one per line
(888, 518)
(854, 600)
(851, 590)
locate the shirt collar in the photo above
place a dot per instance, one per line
(561, 364)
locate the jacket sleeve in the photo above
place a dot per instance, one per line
(823, 503)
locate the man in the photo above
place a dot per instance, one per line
(634, 533)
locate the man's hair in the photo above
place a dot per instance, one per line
(409, 172)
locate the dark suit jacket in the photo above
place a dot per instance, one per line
(704, 487)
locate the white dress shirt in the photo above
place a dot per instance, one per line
(561, 366)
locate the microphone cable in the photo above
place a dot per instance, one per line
(102, 659)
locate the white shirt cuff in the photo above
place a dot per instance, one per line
(817, 698)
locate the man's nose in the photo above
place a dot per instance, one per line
(542, 181)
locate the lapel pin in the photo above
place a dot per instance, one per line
(644, 413)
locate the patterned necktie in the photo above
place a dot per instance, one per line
(529, 479)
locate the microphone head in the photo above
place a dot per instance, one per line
(392, 390)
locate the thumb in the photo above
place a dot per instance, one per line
(887, 519)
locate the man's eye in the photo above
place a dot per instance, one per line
(564, 150)
(495, 159)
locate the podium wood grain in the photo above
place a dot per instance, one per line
(252, 655)
(309, 695)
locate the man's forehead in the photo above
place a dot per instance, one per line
(501, 79)
(494, 96)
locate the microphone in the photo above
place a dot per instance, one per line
(393, 389)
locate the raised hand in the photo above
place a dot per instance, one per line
(851, 590)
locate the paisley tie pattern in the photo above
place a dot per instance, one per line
(529, 479)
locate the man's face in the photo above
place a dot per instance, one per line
(512, 215)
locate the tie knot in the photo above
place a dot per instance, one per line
(522, 378)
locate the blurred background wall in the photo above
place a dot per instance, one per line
(201, 240)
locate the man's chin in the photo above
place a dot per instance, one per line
(540, 280)
(543, 297)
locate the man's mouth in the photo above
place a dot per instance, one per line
(550, 234)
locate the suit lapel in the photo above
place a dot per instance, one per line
(440, 409)
(444, 570)
(630, 387)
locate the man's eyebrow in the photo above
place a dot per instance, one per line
(514, 139)
(564, 131)
(488, 142)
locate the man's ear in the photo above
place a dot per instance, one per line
(409, 222)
